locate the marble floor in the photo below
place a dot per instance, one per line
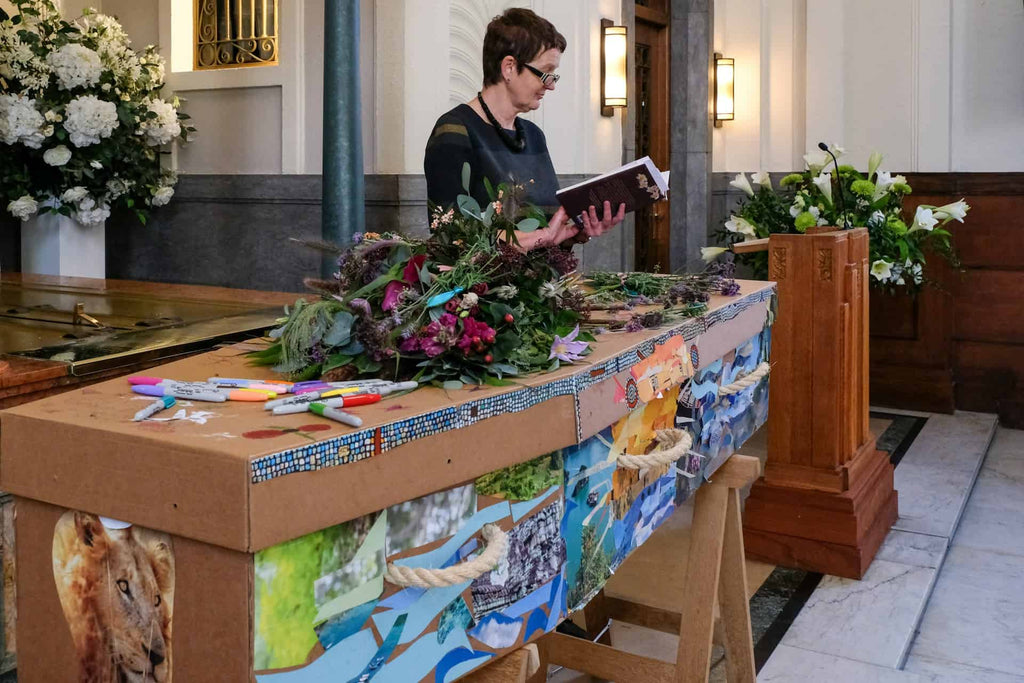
(943, 600)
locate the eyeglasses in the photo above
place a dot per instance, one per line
(547, 79)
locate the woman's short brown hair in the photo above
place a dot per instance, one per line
(520, 33)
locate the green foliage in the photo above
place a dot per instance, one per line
(873, 200)
(285, 608)
(594, 567)
(524, 481)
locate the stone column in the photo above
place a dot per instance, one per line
(690, 77)
(343, 186)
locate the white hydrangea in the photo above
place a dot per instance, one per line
(162, 196)
(163, 128)
(92, 212)
(117, 187)
(23, 207)
(57, 156)
(75, 66)
(90, 119)
(20, 121)
(74, 195)
(114, 48)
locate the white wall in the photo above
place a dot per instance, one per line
(417, 59)
(934, 84)
(428, 60)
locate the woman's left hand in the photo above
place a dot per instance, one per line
(593, 226)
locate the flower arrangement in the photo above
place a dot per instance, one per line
(466, 305)
(81, 117)
(873, 200)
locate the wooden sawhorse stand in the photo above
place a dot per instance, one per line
(715, 567)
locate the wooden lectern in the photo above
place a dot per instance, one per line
(826, 501)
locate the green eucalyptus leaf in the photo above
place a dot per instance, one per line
(337, 360)
(340, 330)
(469, 207)
(527, 225)
(466, 175)
(366, 365)
(452, 385)
(353, 348)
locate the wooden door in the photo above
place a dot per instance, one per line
(652, 125)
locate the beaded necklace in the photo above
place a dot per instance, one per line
(516, 144)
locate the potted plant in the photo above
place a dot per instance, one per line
(82, 127)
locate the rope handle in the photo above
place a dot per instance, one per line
(497, 544)
(672, 445)
(748, 380)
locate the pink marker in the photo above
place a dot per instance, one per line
(143, 380)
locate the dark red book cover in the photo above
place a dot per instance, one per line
(637, 184)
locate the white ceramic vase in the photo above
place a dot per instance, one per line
(53, 244)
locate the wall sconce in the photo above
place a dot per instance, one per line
(724, 100)
(614, 47)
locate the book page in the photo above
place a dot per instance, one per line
(643, 161)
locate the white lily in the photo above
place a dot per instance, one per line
(882, 185)
(709, 254)
(816, 161)
(881, 270)
(763, 178)
(740, 225)
(824, 183)
(874, 161)
(741, 182)
(798, 206)
(954, 211)
(924, 219)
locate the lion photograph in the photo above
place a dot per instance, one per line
(116, 586)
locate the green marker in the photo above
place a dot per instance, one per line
(335, 414)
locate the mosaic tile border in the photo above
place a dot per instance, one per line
(363, 444)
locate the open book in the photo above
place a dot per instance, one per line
(637, 184)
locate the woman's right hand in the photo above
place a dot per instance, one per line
(559, 229)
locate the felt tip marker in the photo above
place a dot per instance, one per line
(335, 402)
(381, 387)
(250, 395)
(141, 379)
(335, 414)
(228, 382)
(304, 398)
(179, 391)
(296, 408)
(154, 408)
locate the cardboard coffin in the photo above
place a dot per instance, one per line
(230, 507)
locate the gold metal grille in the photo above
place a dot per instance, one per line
(233, 33)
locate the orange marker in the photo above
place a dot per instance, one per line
(252, 395)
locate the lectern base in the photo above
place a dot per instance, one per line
(828, 532)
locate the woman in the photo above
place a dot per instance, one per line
(521, 53)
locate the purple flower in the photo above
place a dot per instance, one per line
(566, 349)
(730, 288)
(360, 307)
